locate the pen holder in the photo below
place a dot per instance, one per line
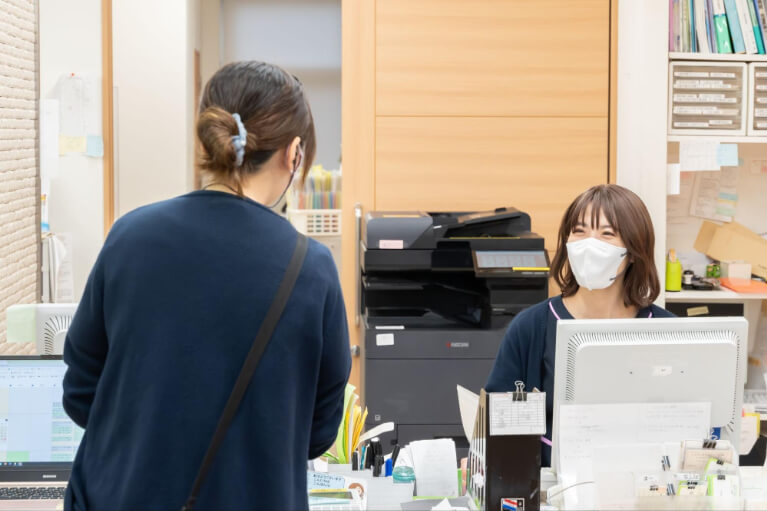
(673, 276)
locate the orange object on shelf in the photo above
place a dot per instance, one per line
(744, 285)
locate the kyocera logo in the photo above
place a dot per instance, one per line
(463, 345)
(50, 476)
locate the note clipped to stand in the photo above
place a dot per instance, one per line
(518, 413)
(504, 468)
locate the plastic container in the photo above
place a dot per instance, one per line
(316, 222)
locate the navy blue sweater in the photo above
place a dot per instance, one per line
(169, 313)
(528, 352)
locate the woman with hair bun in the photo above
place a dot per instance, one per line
(172, 307)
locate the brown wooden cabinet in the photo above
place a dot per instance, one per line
(464, 105)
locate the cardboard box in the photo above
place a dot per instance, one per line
(733, 242)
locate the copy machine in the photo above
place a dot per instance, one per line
(438, 291)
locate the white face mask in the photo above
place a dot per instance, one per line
(594, 262)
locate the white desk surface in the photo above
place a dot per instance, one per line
(721, 295)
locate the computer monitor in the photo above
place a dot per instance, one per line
(663, 360)
(38, 441)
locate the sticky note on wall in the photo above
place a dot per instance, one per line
(727, 155)
(71, 145)
(95, 146)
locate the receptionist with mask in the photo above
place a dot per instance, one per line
(605, 268)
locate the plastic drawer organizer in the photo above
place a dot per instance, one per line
(757, 101)
(708, 98)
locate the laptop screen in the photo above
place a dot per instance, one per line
(35, 431)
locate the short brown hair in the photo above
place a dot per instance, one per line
(273, 107)
(628, 215)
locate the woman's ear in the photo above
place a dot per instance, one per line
(292, 155)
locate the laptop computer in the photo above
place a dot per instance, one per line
(38, 441)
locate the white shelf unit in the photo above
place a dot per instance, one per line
(717, 57)
(718, 296)
(747, 139)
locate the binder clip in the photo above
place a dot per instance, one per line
(519, 393)
(665, 463)
(709, 443)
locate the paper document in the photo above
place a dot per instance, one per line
(715, 195)
(510, 417)
(445, 505)
(695, 457)
(757, 398)
(749, 432)
(698, 155)
(673, 176)
(753, 483)
(58, 275)
(468, 402)
(584, 427)
(321, 495)
(435, 465)
(678, 206)
(404, 459)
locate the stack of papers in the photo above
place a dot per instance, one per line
(757, 398)
(350, 428)
(435, 466)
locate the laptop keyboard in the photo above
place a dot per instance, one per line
(33, 493)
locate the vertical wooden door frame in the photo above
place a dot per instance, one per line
(612, 111)
(358, 156)
(107, 112)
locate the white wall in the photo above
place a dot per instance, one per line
(210, 38)
(154, 100)
(642, 84)
(70, 41)
(302, 36)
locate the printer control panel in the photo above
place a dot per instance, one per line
(515, 263)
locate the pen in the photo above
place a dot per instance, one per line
(394, 455)
(377, 466)
(369, 455)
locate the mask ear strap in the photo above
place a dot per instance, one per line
(299, 159)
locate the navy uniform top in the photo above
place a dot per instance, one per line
(171, 308)
(528, 352)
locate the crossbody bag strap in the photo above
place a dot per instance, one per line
(251, 362)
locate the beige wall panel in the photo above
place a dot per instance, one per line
(492, 57)
(457, 163)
